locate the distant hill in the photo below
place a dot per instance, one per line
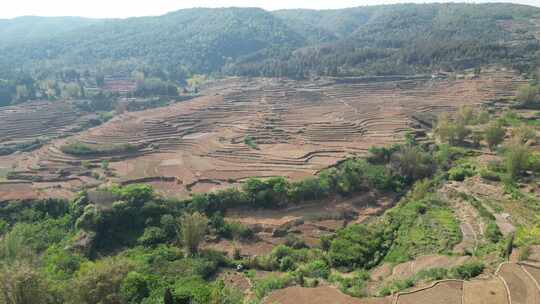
(22, 29)
(391, 39)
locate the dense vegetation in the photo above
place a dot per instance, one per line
(377, 40)
(130, 245)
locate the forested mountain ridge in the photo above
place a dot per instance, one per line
(28, 28)
(391, 39)
(199, 40)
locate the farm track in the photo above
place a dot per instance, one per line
(296, 128)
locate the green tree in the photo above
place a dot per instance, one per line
(465, 115)
(412, 163)
(460, 132)
(444, 128)
(494, 134)
(528, 95)
(192, 230)
(135, 287)
(517, 158)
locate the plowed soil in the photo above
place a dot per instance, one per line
(485, 292)
(449, 292)
(318, 295)
(523, 290)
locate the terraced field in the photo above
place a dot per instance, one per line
(245, 128)
(38, 119)
(514, 283)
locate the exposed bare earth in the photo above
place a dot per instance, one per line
(297, 129)
(523, 289)
(318, 295)
(491, 291)
(448, 292)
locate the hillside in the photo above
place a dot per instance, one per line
(200, 40)
(296, 43)
(371, 155)
(24, 29)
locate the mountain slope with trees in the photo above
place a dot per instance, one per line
(29, 28)
(373, 40)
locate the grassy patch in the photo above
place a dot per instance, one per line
(265, 285)
(426, 227)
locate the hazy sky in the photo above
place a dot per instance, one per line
(129, 8)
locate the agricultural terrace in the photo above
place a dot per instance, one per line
(243, 128)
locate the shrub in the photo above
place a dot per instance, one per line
(468, 270)
(459, 173)
(316, 269)
(287, 264)
(487, 174)
(152, 236)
